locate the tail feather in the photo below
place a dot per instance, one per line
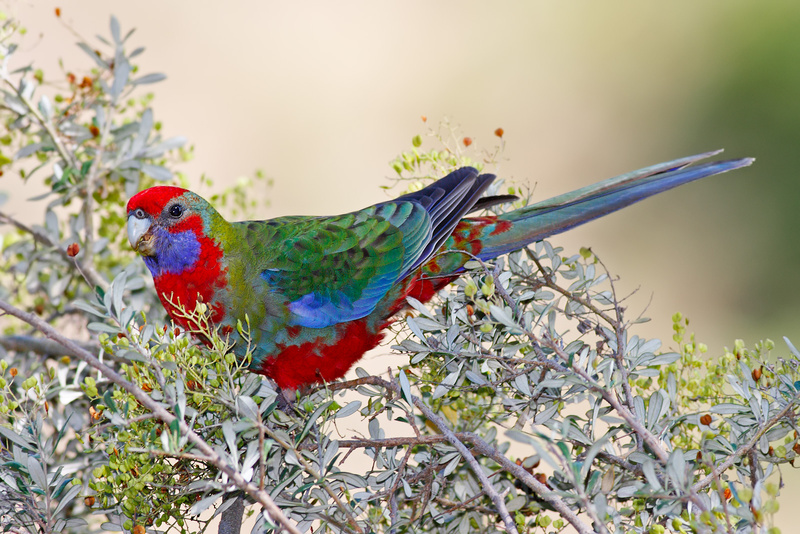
(538, 221)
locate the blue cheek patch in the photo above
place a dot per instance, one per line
(175, 253)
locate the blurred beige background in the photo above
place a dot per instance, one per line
(322, 95)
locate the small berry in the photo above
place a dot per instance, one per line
(73, 249)
(467, 141)
(499, 132)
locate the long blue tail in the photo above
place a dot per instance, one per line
(538, 221)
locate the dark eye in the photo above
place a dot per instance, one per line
(139, 213)
(176, 210)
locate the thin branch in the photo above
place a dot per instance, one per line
(159, 411)
(750, 445)
(45, 347)
(93, 277)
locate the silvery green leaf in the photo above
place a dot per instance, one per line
(412, 325)
(65, 396)
(115, 31)
(247, 407)
(676, 468)
(111, 527)
(521, 383)
(85, 306)
(15, 104)
(230, 436)
(545, 415)
(157, 171)
(121, 72)
(158, 150)
(663, 359)
(502, 315)
(27, 150)
(428, 325)
(420, 307)
(46, 107)
(37, 473)
(375, 431)
(516, 503)
(203, 504)
(638, 406)
(521, 437)
(405, 387)
(26, 88)
(654, 409)
(792, 348)
(451, 466)
(118, 290)
(649, 470)
(154, 77)
(136, 52)
(101, 327)
(92, 54)
(475, 378)
(349, 409)
(3, 199)
(67, 498)
(407, 488)
(51, 224)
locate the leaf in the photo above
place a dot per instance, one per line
(36, 472)
(247, 407)
(521, 382)
(92, 54)
(115, 31)
(727, 408)
(230, 437)
(405, 387)
(203, 504)
(16, 438)
(158, 150)
(67, 498)
(121, 72)
(157, 171)
(46, 107)
(27, 150)
(154, 77)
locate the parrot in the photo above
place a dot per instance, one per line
(314, 293)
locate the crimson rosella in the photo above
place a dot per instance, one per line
(318, 292)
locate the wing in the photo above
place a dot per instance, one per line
(336, 269)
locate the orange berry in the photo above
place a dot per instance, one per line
(499, 132)
(89, 501)
(467, 141)
(58, 12)
(13, 371)
(705, 419)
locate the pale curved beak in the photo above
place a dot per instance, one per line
(139, 236)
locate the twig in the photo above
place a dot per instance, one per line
(45, 347)
(745, 449)
(159, 411)
(89, 273)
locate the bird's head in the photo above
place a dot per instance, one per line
(165, 225)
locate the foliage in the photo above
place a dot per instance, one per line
(528, 402)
